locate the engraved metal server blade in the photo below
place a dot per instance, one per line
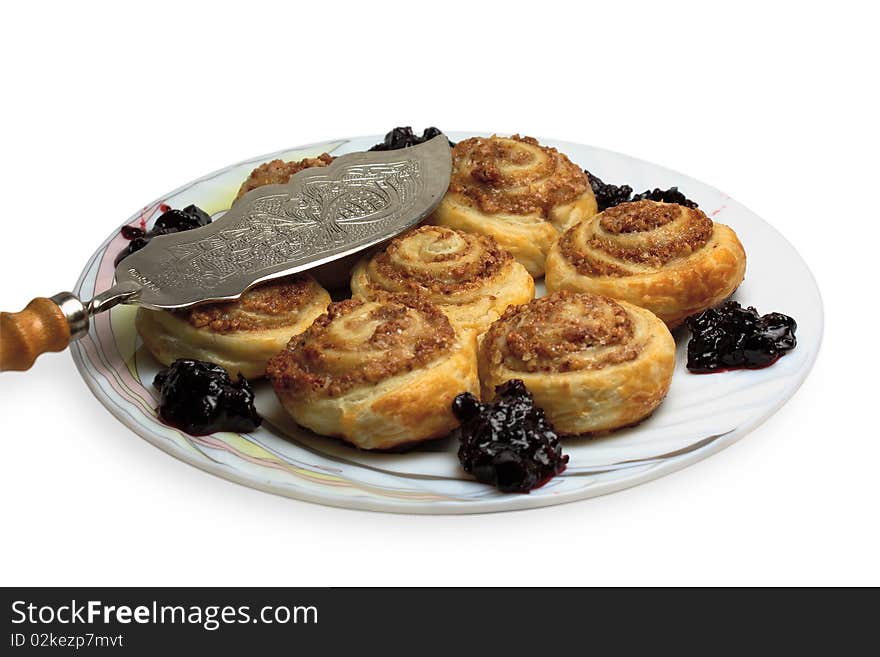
(322, 214)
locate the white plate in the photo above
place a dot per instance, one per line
(701, 415)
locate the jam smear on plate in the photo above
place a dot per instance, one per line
(731, 337)
(199, 398)
(507, 443)
(170, 221)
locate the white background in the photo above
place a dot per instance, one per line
(107, 107)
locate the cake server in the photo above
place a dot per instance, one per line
(321, 215)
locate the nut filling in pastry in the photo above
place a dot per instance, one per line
(668, 258)
(467, 275)
(592, 363)
(279, 172)
(240, 336)
(377, 373)
(519, 192)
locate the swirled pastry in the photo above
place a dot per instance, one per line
(519, 192)
(592, 363)
(467, 275)
(278, 172)
(377, 373)
(668, 258)
(240, 336)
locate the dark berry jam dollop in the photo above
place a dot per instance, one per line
(608, 195)
(671, 195)
(731, 337)
(177, 221)
(171, 221)
(507, 443)
(404, 137)
(200, 398)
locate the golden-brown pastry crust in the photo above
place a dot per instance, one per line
(278, 172)
(377, 373)
(519, 192)
(592, 363)
(668, 258)
(468, 276)
(241, 335)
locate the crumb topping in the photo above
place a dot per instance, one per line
(359, 342)
(278, 172)
(271, 305)
(514, 175)
(437, 261)
(637, 217)
(647, 233)
(582, 259)
(562, 332)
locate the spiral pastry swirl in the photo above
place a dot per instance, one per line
(377, 373)
(519, 192)
(668, 258)
(241, 335)
(468, 276)
(592, 363)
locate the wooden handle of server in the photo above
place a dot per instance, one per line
(40, 327)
